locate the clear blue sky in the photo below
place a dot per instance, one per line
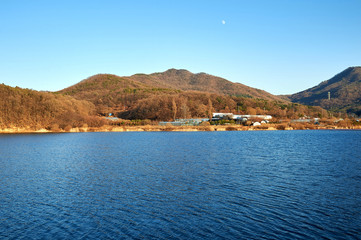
(281, 46)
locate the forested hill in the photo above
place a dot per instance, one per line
(28, 108)
(148, 97)
(111, 93)
(185, 80)
(345, 92)
(164, 96)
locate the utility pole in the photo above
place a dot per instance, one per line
(329, 96)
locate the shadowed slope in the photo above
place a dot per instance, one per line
(344, 88)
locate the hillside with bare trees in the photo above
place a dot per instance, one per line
(340, 93)
(131, 98)
(28, 108)
(158, 97)
(185, 80)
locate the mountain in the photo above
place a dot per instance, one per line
(113, 93)
(185, 80)
(159, 96)
(178, 94)
(344, 89)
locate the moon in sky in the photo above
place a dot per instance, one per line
(223, 22)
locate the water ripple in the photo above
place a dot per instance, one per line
(265, 185)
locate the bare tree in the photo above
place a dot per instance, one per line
(174, 106)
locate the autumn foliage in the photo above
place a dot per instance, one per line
(24, 107)
(166, 96)
(133, 98)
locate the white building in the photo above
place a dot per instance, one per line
(264, 117)
(222, 115)
(240, 117)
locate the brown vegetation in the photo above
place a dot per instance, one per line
(345, 93)
(184, 80)
(144, 100)
(132, 98)
(24, 107)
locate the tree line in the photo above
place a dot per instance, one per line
(28, 108)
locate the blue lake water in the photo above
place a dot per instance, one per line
(179, 185)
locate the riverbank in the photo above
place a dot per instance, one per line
(157, 128)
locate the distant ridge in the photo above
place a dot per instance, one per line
(344, 89)
(184, 80)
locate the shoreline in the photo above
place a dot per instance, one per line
(157, 128)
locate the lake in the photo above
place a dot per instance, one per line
(181, 185)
